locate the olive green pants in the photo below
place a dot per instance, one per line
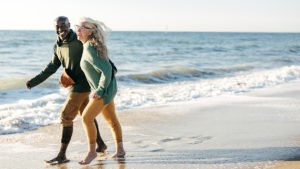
(94, 107)
(75, 104)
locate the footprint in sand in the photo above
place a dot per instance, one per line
(166, 140)
(198, 139)
(137, 141)
(157, 150)
(170, 139)
(143, 146)
(140, 143)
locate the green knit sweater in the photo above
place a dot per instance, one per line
(67, 53)
(98, 73)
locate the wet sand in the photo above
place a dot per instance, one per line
(252, 130)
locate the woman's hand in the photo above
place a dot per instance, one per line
(95, 96)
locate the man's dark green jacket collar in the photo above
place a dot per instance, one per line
(70, 37)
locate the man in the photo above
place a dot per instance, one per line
(67, 52)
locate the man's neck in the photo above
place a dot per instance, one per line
(67, 37)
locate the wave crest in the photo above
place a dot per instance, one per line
(179, 73)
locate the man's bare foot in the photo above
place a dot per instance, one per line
(90, 157)
(101, 149)
(59, 160)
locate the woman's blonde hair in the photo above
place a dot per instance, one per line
(97, 38)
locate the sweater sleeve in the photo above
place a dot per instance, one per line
(51, 68)
(104, 68)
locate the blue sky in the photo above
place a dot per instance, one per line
(158, 15)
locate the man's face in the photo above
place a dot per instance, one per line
(62, 28)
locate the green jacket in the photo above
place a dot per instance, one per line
(98, 73)
(67, 53)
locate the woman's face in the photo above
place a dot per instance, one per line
(83, 31)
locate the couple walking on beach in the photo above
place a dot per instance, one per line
(87, 69)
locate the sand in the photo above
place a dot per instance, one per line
(258, 129)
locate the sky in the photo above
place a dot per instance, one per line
(157, 15)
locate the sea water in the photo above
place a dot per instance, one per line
(154, 68)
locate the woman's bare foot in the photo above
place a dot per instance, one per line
(120, 154)
(90, 157)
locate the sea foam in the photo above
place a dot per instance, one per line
(153, 94)
(31, 113)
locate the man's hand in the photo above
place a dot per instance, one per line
(95, 96)
(28, 85)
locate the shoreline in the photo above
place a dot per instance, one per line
(250, 130)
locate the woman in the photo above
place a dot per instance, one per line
(98, 71)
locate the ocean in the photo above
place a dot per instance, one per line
(154, 68)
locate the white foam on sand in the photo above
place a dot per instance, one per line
(26, 110)
(251, 130)
(186, 91)
(28, 114)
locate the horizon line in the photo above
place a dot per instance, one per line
(164, 31)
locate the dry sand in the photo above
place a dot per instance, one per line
(259, 129)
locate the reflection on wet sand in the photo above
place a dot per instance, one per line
(119, 163)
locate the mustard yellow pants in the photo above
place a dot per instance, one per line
(75, 104)
(94, 107)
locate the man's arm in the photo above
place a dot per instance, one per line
(48, 71)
